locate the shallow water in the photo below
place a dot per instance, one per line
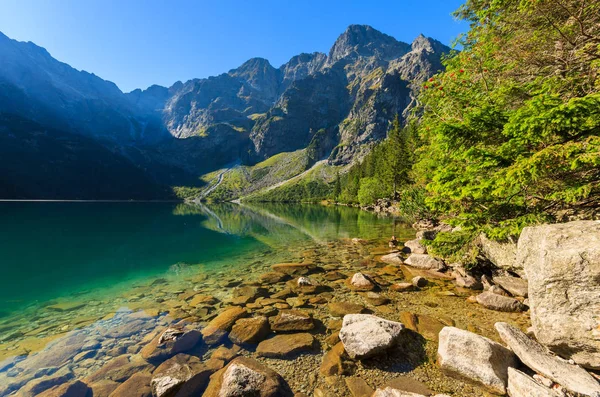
(52, 250)
(88, 285)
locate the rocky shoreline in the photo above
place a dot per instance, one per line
(350, 318)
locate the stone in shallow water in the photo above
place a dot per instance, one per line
(358, 387)
(402, 287)
(183, 375)
(365, 335)
(522, 385)
(361, 282)
(376, 299)
(169, 343)
(66, 306)
(250, 330)
(137, 385)
(340, 309)
(119, 369)
(332, 361)
(393, 259)
(43, 383)
(285, 346)
(475, 358)
(424, 261)
(217, 329)
(247, 377)
(293, 268)
(500, 303)
(415, 247)
(536, 357)
(516, 286)
(291, 320)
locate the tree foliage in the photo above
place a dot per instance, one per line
(512, 127)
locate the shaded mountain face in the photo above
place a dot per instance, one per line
(341, 103)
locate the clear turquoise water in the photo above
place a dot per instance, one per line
(51, 250)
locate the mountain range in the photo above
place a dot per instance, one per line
(69, 134)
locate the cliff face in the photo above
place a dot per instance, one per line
(340, 104)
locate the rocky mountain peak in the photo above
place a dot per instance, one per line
(261, 75)
(422, 43)
(365, 41)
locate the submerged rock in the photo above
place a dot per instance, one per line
(169, 343)
(291, 320)
(293, 268)
(361, 282)
(424, 261)
(535, 356)
(365, 335)
(284, 346)
(332, 363)
(500, 303)
(137, 385)
(217, 329)
(469, 356)
(393, 259)
(562, 263)
(71, 389)
(250, 330)
(340, 309)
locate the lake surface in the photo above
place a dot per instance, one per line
(52, 250)
(88, 289)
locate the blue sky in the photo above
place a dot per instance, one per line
(137, 43)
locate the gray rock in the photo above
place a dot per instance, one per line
(247, 377)
(516, 286)
(393, 259)
(500, 303)
(365, 335)
(361, 281)
(562, 263)
(169, 343)
(415, 247)
(536, 357)
(522, 385)
(469, 282)
(503, 255)
(424, 261)
(475, 358)
(498, 290)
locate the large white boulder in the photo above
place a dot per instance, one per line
(562, 263)
(522, 385)
(475, 358)
(535, 356)
(365, 335)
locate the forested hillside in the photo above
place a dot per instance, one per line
(508, 135)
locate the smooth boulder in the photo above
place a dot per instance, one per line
(522, 385)
(536, 357)
(562, 263)
(475, 358)
(365, 335)
(500, 303)
(247, 377)
(424, 261)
